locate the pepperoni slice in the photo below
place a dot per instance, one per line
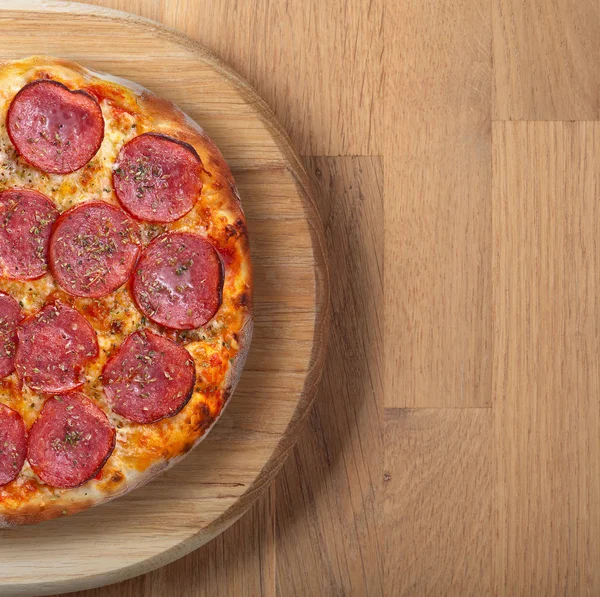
(53, 128)
(179, 281)
(149, 378)
(93, 249)
(157, 178)
(10, 315)
(13, 444)
(54, 345)
(26, 219)
(70, 441)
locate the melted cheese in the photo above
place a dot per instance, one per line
(214, 348)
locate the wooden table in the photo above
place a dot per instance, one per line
(455, 445)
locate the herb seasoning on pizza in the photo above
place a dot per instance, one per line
(125, 287)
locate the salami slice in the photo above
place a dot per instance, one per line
(70, 441)
(93, 249)
(157, 178)
(149, 378)
(10, 315)
(53, 128)
(54, 345)
(179, 281)
(13, 444)
(26, 219)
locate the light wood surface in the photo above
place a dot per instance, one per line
(295, 54)
(547, 407)
(316, 532)
(460, 452)
(215, 484)
(432, 547)
(327, 511)
(438, 181)
(546, 55)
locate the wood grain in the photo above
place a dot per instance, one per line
(547, 413)
(291, 52)
(240, 562)
(321, 512)
(546, 60)
(326, 508)
(437, 205)
(214, 485)
(130, 533)
(489, 294)
(150, 9)
(438, 502)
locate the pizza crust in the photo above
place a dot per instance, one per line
(164, 117)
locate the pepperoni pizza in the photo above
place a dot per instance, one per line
(125, 287)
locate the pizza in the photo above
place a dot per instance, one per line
(125, 287)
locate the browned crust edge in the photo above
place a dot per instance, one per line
(322, 323)
(163, 110)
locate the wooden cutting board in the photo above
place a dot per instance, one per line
(197, 499)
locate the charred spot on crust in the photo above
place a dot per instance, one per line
(204, 418)
(238, 228)
(117, 326)
(244, 300)
(187, 447)
(230, 231)
(117, 477)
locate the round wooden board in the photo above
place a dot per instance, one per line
(217, 482)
